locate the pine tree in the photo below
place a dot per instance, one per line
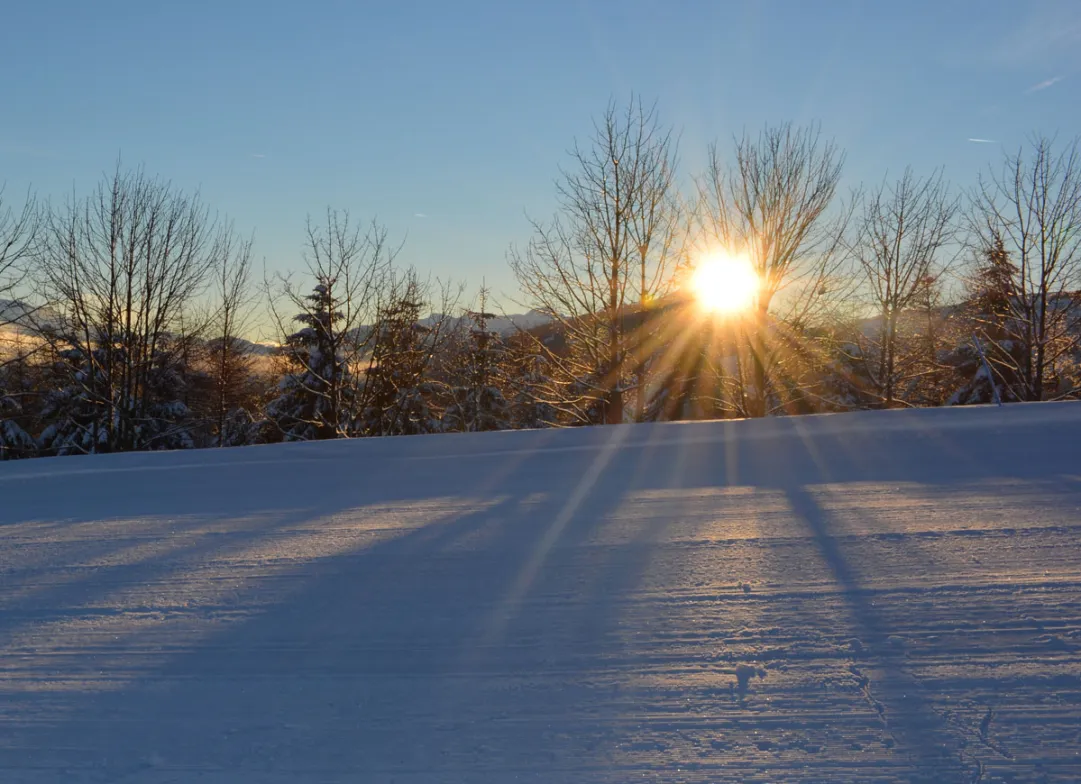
(395, 392)
(87, 413)
(231, 386)
(478, 402)
(992, 291)
(315, 398)
(78, 413)
(165, 420)
(18, 384)
(530, 388)
(239, 429)
(15, 442)
(991, 359)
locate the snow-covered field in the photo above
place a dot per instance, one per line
(888, 596)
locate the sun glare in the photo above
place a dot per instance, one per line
(724, 283)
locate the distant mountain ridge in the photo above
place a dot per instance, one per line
(504, 325)
(22, 314)
(19, 316)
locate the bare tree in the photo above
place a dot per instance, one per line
(772, 203)
(18, 236)
(610, 249)
(902, 249)
(1029, 213)
(230, 353)
(122, 266)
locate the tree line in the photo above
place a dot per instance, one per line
(125, 313)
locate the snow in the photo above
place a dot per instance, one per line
(886, 596)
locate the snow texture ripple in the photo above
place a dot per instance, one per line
(880, 597)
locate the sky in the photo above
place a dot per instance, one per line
(448, 121)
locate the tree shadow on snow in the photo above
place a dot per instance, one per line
(486, 636)
(374, 660)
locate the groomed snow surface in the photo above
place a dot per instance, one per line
(889, 597)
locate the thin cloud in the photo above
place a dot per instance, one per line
(420, 215)
(258, 155)
(983, 141)
(1044, 84)
(1051, 28)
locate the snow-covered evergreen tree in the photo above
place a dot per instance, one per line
(19, 385)
(239, 429)
(15, 442)
(164, 420)
(396, 392)
(990, 360)
(78, 414)
(478, 403)
(315, 399)
(530, 389)
(87, 413)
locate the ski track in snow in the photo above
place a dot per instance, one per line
(887, 597)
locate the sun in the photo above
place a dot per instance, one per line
(724, 283)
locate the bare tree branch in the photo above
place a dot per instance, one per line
(611, 248)
(902, 250)
(19, 234)
(121, 267)
(772, 203)
(1030, 211)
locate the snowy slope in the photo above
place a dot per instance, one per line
(887, 597)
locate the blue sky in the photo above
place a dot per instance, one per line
(447, 120)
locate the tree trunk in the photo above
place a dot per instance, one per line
(614, 403)
(758, 403)
(891, 356)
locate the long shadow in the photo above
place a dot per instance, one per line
(929, 458)
(340, 635)
(454, 657)
(403, 656)
(206, 509)
(300, 641)
(106, 569)
(908, 716)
